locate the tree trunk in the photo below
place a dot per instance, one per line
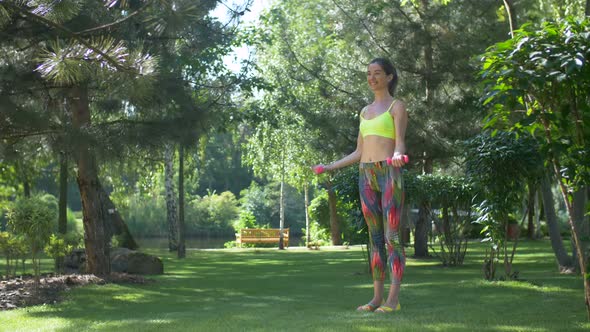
(567, 197)
(24, 178)
(579, 207)
(334, 224)
(429, 79)
(423, 222)
(62, 218)
(171, 205)
(96, 236)
(307, 233)
(115, 222)
(538, 234)
(282, 205)
(422, 230)
(587, 11)
(564, 261)
(181, 229)
(282, 212)
(531, 210)
(511, 12)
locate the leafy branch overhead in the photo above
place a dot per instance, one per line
(72, 52)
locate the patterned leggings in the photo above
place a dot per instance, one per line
(382, 198)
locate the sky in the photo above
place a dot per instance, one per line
(251, 17)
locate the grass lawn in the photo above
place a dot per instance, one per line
(301, 290)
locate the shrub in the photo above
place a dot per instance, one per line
(145, 216)
(318, 236)
(212, 213)
(246, 220)
(33, 219)
(57, 248)
(6, 248)
(452, 196)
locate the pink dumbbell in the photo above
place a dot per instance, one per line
(405, 159)
(319, 169)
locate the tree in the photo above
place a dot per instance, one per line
(171, 205)
(564, 261)
(278, 149)
(99, 57)
(321, 50)
(32, 218)
(543, 71)
(500, 164)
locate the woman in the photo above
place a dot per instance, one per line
(380, 150)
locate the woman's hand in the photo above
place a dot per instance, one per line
(319, 169)
(398, 160)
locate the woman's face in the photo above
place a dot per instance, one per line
(377, 78)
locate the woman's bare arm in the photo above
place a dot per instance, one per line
(400, 116)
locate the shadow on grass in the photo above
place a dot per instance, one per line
(318, 291)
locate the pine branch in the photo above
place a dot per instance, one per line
(110, 25)
(66, 31)
(313, 73)
(365, 26)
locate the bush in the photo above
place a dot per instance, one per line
(57, 248)
(212, 213)
(32, 219)
(352, 224)
(6, 249)
(453, 197)
(318, 236)
(246, 220)
(145, 216)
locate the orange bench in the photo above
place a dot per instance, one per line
(262, 235)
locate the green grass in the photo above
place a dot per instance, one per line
(300, 290)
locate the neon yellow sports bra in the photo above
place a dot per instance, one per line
(381, 125)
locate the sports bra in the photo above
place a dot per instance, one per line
(381, 125)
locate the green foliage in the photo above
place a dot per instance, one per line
(145, 216)
(452, 196)
(13, 248)
(500, 166)
(319, 210)
(351, 222)
(245, 220)
(57, 248)
(7, 250)
(318, 235)
(262, 200)
(212, 212)
(211, 215)
(544, 70)
(32, 219)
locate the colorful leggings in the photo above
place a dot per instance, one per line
(382, 198)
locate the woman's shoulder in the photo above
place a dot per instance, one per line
(364, 109)
(398, 106)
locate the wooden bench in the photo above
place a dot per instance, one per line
(262, 235)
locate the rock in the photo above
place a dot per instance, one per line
(75, 259)
(134, 262)
(122, 260)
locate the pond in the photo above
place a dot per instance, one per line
(191, 242)
(198, 242)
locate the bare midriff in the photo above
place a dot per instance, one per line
(376, 148)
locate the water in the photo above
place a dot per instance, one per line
(198, 242)
(191, 242)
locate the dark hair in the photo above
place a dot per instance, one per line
(389, 70)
